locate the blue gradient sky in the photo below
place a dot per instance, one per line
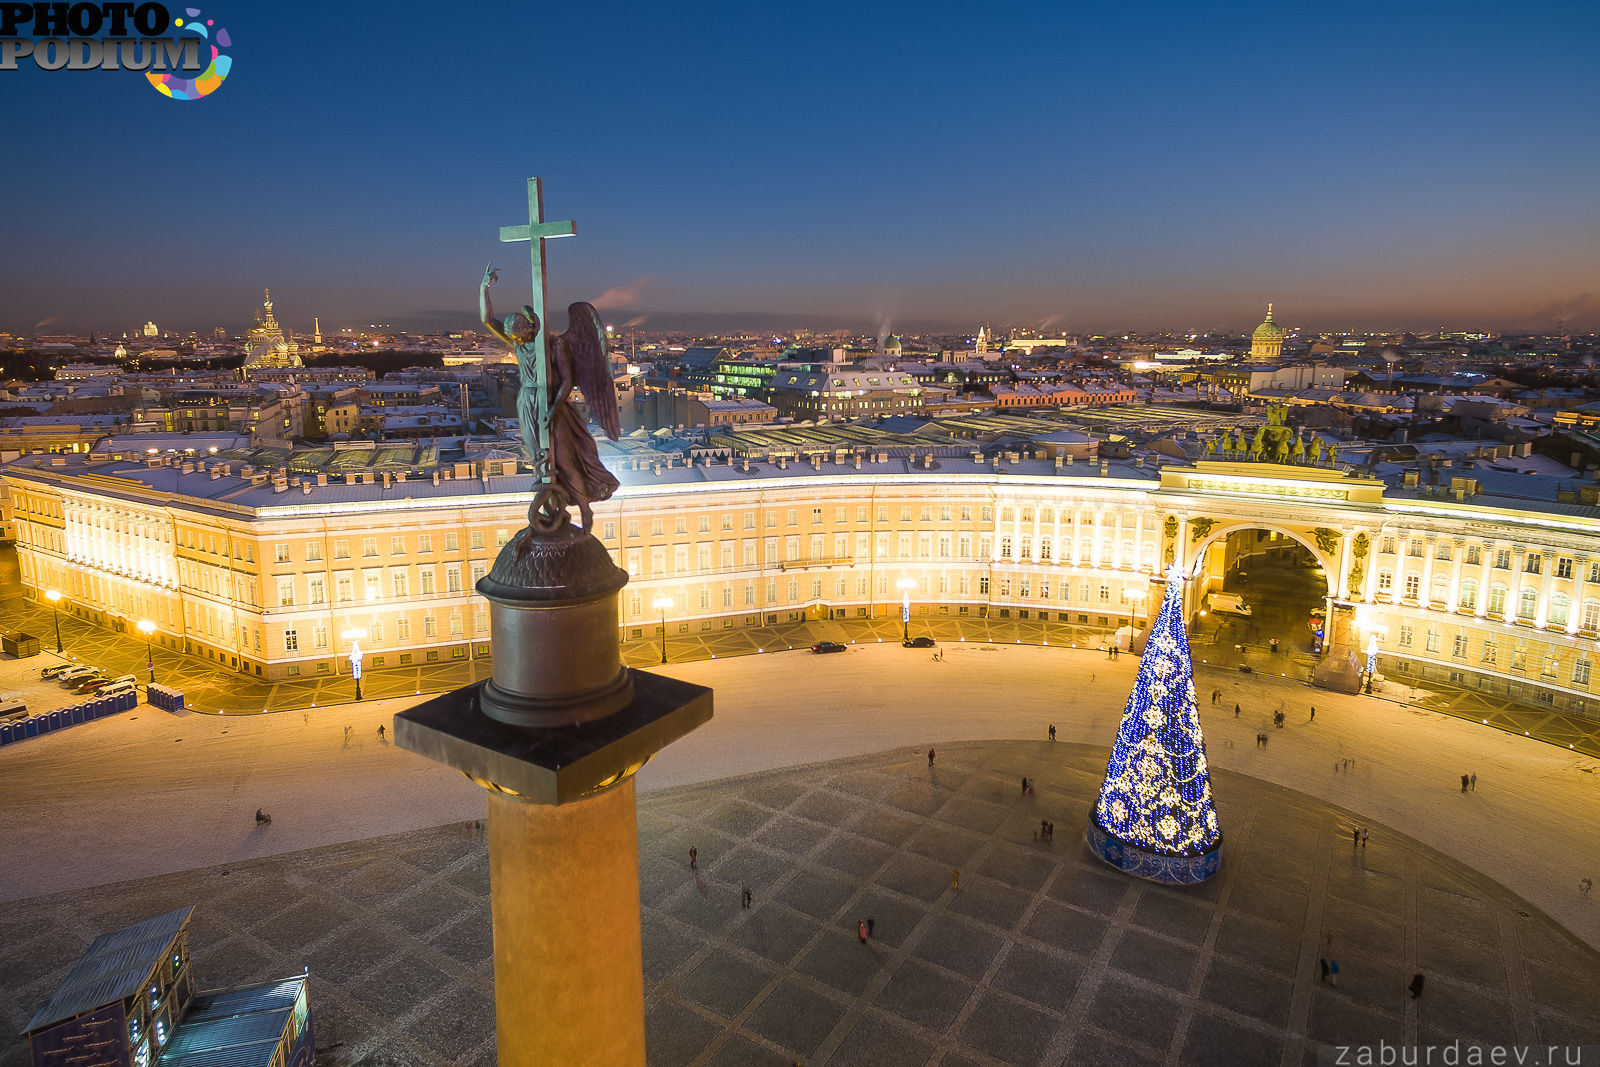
(1122, 166)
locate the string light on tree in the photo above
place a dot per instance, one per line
(1155, 817)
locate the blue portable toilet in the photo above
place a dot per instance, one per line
(5, 733)
(55, 720)
(102, 707)
(30, 727)
(128, 701)
(76, 713)
(44, 724)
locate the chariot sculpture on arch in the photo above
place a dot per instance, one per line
(555, 436)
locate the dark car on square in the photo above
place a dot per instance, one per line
(827, 646)
(919, 642)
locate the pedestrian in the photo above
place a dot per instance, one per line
(955, 878)
(1474, 783)
(1335, 766)
(1323, 963)
(1415, 986)
(694, 858)
(1052, 731)
(871, 922)
(930, 759)
(1463, 783)
(744, 897)
(1355, 836)
(1215, 694)
(380, 731)
(347, 735)
(1313, 713)
(1333, 972)
(1347, 765)
(1584, 886)
(1236, 711)
(1363, 837)
(1049, 831)
(861, 930)
(1044, 829)
(1024, 785)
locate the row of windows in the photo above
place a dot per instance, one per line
(907, 512)
(1532, 563)
(1024, 587)
(282, 551)
(1489, 654)
(372, 584)
(1527, 600)
(375, 631)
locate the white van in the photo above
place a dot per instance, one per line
(1228, 603)
(118, 686)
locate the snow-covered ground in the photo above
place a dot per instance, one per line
(148, 793)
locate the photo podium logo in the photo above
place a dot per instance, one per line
(169, 50)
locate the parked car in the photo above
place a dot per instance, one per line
(827, 646)
(78, 675)
(118, 687)
(919, 642)
(1229, 603)
(91, 685)
(56, 670)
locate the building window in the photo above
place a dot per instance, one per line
(1413, 582)
(983, 585)
(1528, 604)
(345, 588)
(1560, 608)
(477, 539)
(286, 592)
(1469, 594)
(1563, 567)
(1440, 593)
(1531, 563)
(424, 543)
(452, 543)
(319, 594)
(1502, 559)
(1431, 642)
(282, 553)
(1519, 658)
(1580, 672)
(452, 579)
(319, 636)
(1385, 582)
(1473, 558)
(341, 549)
(430, 626)
(1489, 653)
(427, 581)
(1414, 548)
(1591, 614)
(1497, 600)
(313, 551)
(398, 578)
(1405, 637)
(1460, 649)
(1005, 547)
(1442, 550)
(291, 641)
(397, 546)
(402, 629)
(369, 546)
(1594, 572)
(1388, 546)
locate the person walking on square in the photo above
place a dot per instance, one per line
(930, 758)
(1236, 710)
(871, 922)
(1333, 972)
(1584, 886)
(1215, 694)
(380, 731)
(1355, 836)
(955, 878)
(744, 897)
(1474, 781)
(1323, 963)
(861, 930)
(1052, 731)
(694, 858)
(1415, 986)
(1464, 779)
(1313, 714)
(1363, 837)
(1024, 785)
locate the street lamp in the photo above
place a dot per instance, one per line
(148, 628)
(1134, 598)
(354, 636)
(661, 604)
(54, 596)
(905, 585)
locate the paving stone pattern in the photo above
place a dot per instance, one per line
(1043, 955)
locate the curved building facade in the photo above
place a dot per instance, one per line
(265, 573)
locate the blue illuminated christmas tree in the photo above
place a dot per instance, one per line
(1155, 817)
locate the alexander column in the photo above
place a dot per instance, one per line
(557, 734)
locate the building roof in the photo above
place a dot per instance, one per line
(238, 1027)
(115, 967)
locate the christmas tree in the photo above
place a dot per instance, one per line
(1155, 817)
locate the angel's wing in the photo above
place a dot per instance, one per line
(586, 340)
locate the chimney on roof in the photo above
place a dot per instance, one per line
(1070, 459)
(216, 472)
(927, 462)
(305, 488)
(1411, 478)
(783, 463)
(1139, 462)
(400, 476)
(435, 477)
(1105, 468)
(1058, 462)
(386, 479)
(747, 464)
(858, 460)
(322, 479)
(816, 461)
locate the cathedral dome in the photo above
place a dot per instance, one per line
(1268, 330)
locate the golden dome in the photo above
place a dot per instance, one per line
(1268, 330)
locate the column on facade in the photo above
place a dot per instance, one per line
(1138, 539)
(1425, 590)
(1342, 583)
(1458, 564)
(1575, 609)
(1547, 570)
(1513, 586)
(1077, 534)
(1116, 541)
(1485, 569)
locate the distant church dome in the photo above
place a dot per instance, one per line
(1267, 341)
(1268, 330)
(892, 344)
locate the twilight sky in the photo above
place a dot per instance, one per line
(1106, 167)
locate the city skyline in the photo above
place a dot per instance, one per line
(1097, 170)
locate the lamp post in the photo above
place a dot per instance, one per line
(148, 628)
(354, 636)
(905, 585)
(661, 604)
(1134, 599)
(54, 596)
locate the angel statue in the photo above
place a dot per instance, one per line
(554, 435)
